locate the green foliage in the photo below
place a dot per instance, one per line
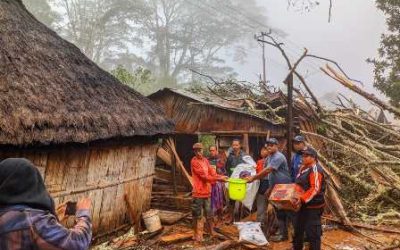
(322, 128)
(141, 79)
(207, 141)
(387, 65)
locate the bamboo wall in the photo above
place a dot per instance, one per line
(105, 173)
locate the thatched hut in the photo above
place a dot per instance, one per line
(88, 134)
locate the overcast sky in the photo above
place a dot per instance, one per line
(352, 36)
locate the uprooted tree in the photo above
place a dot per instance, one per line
(360, 155)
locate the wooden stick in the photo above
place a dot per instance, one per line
(100, 186)
(179, 163)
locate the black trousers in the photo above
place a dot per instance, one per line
(284, 218)
(308, 220)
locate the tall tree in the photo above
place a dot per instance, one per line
(187, 34)
(141, 79)
(165, 36)
(98, 27)
(387, 65)
(43, 11)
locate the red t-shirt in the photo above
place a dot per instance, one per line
(203, 176)
(260, 165)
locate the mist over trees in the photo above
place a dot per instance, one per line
(167, 37)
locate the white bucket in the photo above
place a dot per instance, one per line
(152, 220)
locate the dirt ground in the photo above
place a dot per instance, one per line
(181, 234)
(332, 239)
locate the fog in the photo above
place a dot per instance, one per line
(205, 36)
(352, 36)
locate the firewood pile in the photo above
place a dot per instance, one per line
(360, 155)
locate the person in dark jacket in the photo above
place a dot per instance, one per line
(299, 144)
(308, 219)
(27, 214)
(235, 157)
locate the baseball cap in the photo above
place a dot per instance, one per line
(273, 141)
(197, 145)
(299, 138)
(310, 151)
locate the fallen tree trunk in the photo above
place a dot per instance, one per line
(349, 84)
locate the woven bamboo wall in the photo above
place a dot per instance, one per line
(103, 172)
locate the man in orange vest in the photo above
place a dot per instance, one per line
(203, 177)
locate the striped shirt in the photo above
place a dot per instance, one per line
(23, 228)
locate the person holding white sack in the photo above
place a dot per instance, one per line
(247, 168)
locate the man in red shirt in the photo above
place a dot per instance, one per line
(203, 176)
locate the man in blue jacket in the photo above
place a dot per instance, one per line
(299, 145)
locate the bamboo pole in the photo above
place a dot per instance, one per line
(99, 186)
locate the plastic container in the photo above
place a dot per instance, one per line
(152, 220)
(237, 189)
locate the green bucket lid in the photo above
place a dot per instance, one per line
(237, 181)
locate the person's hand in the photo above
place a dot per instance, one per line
(296, 202)
(249, 179)
(224, 178)
(60, 211)
(84, 203)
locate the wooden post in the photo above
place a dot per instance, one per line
(173, 168)
(246, 143)
(289, 120)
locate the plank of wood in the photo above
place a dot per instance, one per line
(172, 238)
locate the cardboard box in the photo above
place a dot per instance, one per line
(282, 196)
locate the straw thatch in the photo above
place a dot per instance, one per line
(51, 93)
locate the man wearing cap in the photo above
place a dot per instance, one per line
(308, 219)
(203, 176)
(278, 173)
(299, 145)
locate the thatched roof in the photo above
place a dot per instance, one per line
(51, 93)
